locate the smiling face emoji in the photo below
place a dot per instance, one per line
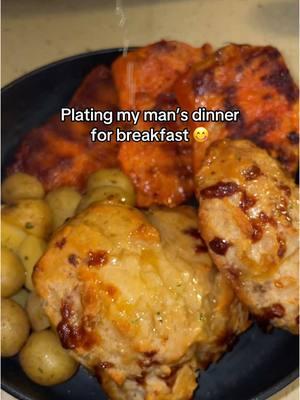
(200, 134)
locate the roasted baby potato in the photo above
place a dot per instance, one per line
(63, 203)
(14, 327)
(11, 236)
(21, 186)
(44, 360)
(29, 252)
(36, 314)
(12, 273)
(108, 194)
(32, 215)
(110, 177)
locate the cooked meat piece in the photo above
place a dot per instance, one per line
(61, 153)
(162, 172)
(143, 74)
(97, 90)
(249, 220)
(57, 158)
(256, 81)
(137, 300)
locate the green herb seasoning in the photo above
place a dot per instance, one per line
(159, 317)
(202, 317)
(134, 321)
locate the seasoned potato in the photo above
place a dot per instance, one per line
(63, 203)
(12, 273)
(110, 177)
(14, 327)
(110, 194)
(11, 235)
(21, 297)
(34, 216)
(29, 252)
(21, 186)
(37, 317)
(44, 360)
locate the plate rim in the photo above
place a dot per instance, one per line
(263, 395)
(67, 59)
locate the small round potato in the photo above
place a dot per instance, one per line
(21, 297)
(12, 273)
(63, 203)
(108, 194)
(30, 251)
(33, 216)
(110, 177)
(45, 361)
(11, 236)
(37, 317)
(14, 327)
(21, 186)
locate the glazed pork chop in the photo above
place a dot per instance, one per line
(162, 173)
(137, 299)
(249, 219)
(144, 74)
(256, 81)
(62, 153)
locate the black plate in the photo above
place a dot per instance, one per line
(260, 364)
